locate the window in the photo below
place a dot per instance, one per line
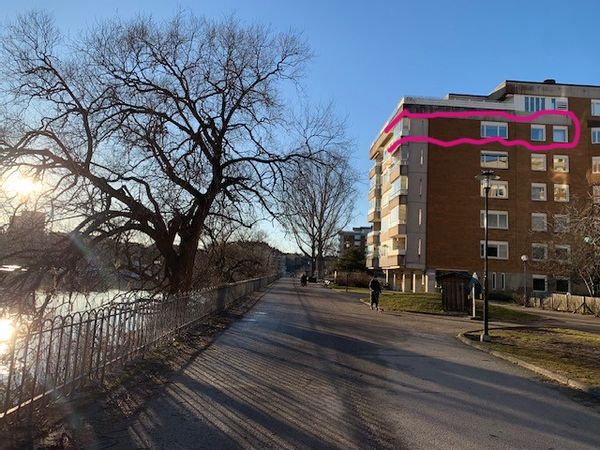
(422, 158)
(539, 222)
(394, 216)
(399, 243)
(595, 164)
(563, 285)
(494, 280)
(595, 135)
(538, 192)
(560, 133)
(539, 283)
(538, 132)
(420, 186)
(372, 204)
(420, 217)
(533, 104)
(402, 214)
(399, 186)
(595, 107)
(498, 189)
(538, 162)
(494, 160)
(494, 129)
(539, 252)
(596, 194)
(503, 281)
(495, 250)
(562, 252)
(496, 219)
(419, 248)
(561, 223)
(560, 163)
(561, 192)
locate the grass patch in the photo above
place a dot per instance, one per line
(571, 353)
(431, 303)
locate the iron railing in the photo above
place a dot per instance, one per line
(59, 355)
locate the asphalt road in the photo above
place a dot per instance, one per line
(311, 368)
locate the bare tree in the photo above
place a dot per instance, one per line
(581, 232)
(149, 128)
(318, 197)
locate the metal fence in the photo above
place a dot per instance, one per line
(570, 303)
(57, 356)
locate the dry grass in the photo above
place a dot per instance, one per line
(572, 353)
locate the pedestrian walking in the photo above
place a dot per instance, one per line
(375, 288)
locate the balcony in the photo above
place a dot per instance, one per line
(375, 170)
(374, 215)
(373, 238)
(391, 261)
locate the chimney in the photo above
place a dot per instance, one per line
(550, 81)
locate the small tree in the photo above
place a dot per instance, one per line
(352, 259)
(583, 238)
(317, 198)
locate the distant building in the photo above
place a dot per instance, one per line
(357, 237)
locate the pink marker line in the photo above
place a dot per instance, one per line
(483, 141)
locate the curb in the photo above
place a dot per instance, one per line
(570, 382)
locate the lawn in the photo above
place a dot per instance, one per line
(575, 354)
(431, 303)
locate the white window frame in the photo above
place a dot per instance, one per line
(545, 216)
(535, 126)
(597, 104)
(493, 213)
(545, 192)
(503, 281)
(595, 164)
(540, 277)
(542, 246)
(595, 135)
(568, 191)
(558, 157)
(567, 223)
(493, 124)
(560, 127)
(494, 281)
(495, 183)
(495, 165)
(539, 156)
(493, 243)
(565, 247)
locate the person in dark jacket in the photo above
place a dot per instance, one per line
(303, 280)
(375, 288)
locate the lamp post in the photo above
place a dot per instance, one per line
(347, 274)
(524, 258)
(485, 179)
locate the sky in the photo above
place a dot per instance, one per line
(369, 54)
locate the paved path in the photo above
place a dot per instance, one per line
(310, 368)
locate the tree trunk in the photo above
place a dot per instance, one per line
(180, 270)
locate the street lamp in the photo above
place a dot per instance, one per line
(524, 258)
(347, 274)
(485, 179)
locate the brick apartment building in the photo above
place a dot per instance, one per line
(426, 206)
(357, 237)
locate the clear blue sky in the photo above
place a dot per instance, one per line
(371, 53)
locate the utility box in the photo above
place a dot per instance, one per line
(455, 291)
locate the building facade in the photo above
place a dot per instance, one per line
(426, 206)
(357, 237)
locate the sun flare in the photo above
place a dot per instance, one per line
(7, 330)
